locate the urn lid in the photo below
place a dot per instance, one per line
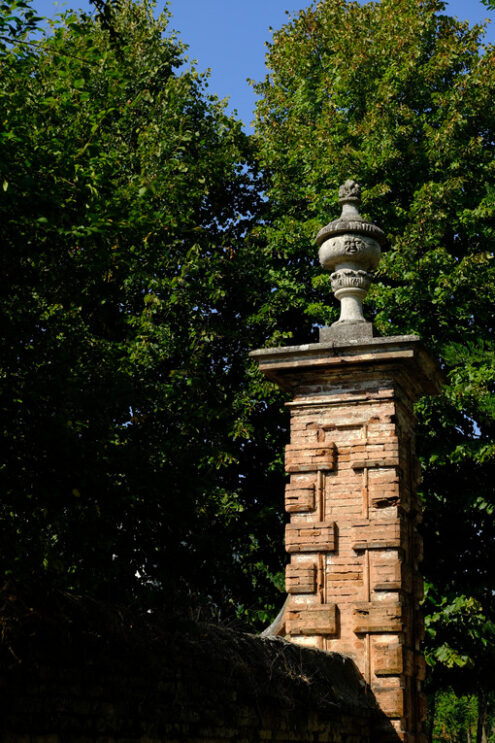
(350, 221)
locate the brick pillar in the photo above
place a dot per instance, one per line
(353, 579)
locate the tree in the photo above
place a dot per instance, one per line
(400, 97)
(128, 306)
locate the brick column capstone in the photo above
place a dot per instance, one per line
(353, 579)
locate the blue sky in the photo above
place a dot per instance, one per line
(229, 37)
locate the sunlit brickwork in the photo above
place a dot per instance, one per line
(352, 539)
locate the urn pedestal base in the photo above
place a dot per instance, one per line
(347, 331)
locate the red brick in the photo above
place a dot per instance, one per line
(378, 535)
(299, 499)
(379, 618)
(310, 537)
(391, 702)
(321, 620)
(388, 659)
(309, 457)
(300, 579)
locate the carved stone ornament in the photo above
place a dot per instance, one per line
(351, 248)
(350, 190)
(349, 278)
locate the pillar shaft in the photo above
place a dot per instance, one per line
(353, 579)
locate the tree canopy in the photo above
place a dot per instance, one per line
(129, 290)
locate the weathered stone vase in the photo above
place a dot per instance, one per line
(350, 247)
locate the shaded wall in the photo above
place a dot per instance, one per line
(67, 679)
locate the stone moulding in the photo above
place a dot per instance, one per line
(355, 226)
(280, 364)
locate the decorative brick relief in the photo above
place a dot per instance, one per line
(309, 620)
(309, 457)
(389, 573)
(372, 459)
(392, 659)
(378, 617)
(310, 537)
(378, 535)
(299, 498)
(345, 573)
(300, 578)
(391, 700)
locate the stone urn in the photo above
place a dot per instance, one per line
(350, 247)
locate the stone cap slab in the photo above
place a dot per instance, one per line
(284, 365)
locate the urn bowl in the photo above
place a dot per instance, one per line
(349, 251)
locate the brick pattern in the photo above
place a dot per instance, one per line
(300, 578)
(317, 537)
(299, 497)
(353, 579)
(313, 620)
(308, 457)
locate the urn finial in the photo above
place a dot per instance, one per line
(350, 247)
(349, 192)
